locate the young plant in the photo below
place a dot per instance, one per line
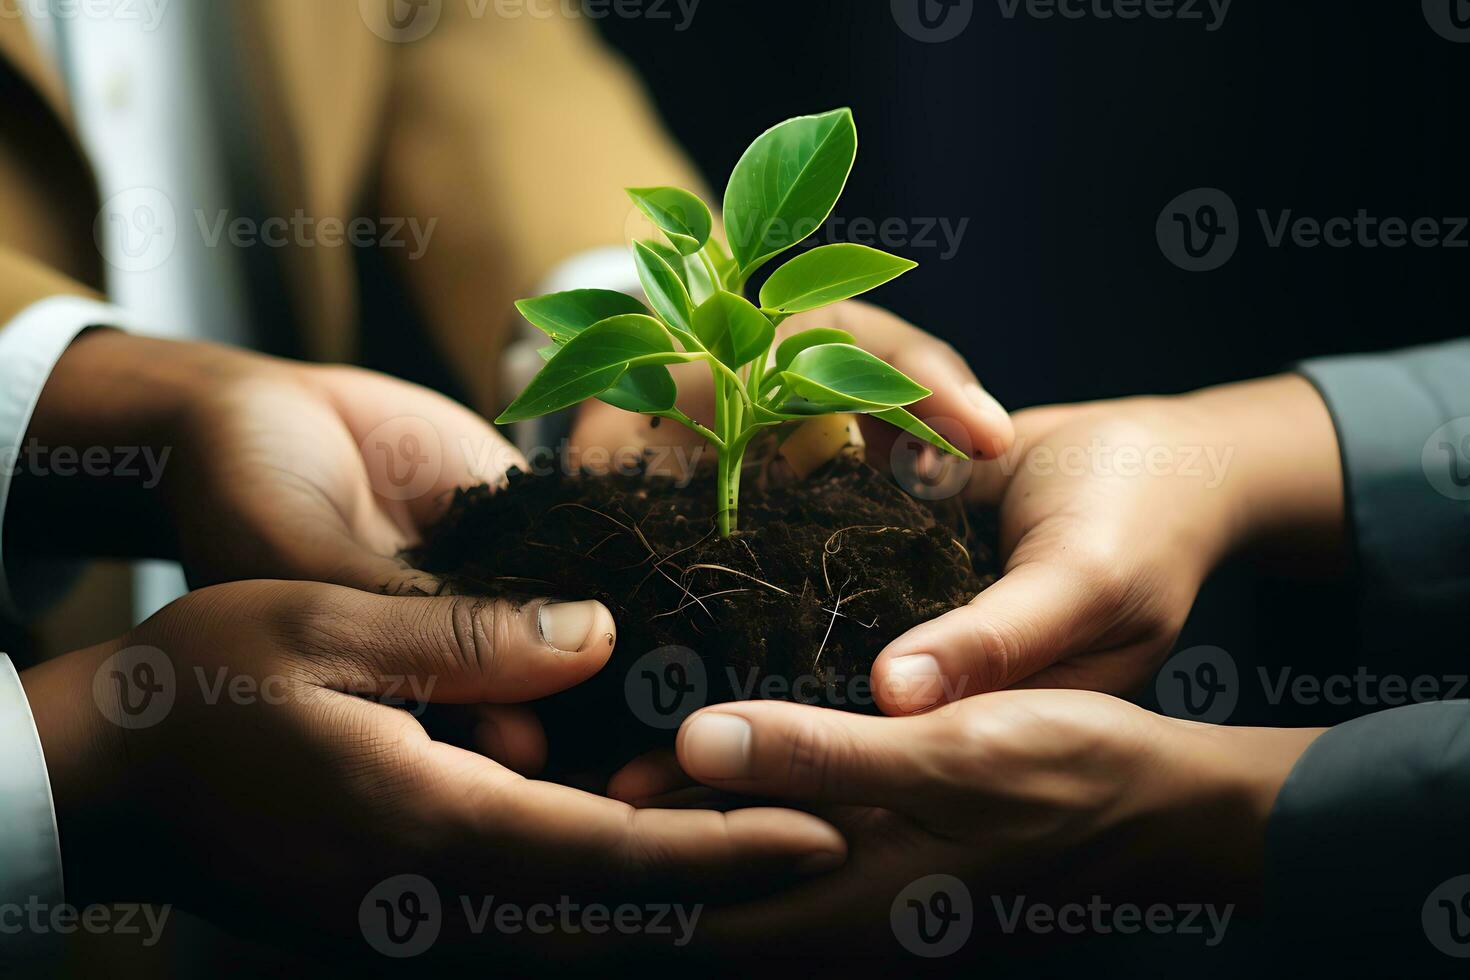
(609, 346)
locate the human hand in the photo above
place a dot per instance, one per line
(231, 756)
(268, 468)
(984, 426)
(1111, 517)
(1047, 794)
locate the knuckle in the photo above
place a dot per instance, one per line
(996, 648)
(814, 757)
(477, 630)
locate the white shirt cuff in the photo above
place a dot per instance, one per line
(30, 846)
(30, 346)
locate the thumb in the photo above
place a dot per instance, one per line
(452, 649)
(800, 752)
(1034, 614)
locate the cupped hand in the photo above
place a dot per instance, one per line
(267, 468)
(1046, 794)
(245, 753)
(971, 418)
(1112, 515)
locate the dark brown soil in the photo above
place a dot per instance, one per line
(820, 577)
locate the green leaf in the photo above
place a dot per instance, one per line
(733, 329)
(591, 363)
(828, 275)
(907, 421)
(680, 215)
(844, 378)
(562, 316)
(671, 255)
(647, 390)
(786, 185)
(799, 342)
(666, 292)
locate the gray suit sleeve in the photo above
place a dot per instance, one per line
(1403, 422)
(1368, 854)
(1368, 850)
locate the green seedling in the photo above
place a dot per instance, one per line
(609, 346)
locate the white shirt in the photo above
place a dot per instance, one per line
(134, 81)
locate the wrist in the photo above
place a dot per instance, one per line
(112, 420)
(87, 763)
(1283, 488)
(1222, 787)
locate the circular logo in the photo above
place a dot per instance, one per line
(401, 21)
(404, 458)
(1199, 684)
(401, 917)
(933, 917)
(1446, 917)
(933, 21)
(1199, 230)
(929, 473)
(135, 688)
(666, 686)
(1446, 459)
(1449, 18)
(137, 229)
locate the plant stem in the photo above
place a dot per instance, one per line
(677, 416)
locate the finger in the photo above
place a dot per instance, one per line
(991, 478)
(451, 650)
(800, 752)
(565, 835)
(957, 393)
(1032, 616)
(418, 446)
(650, 775)
(512, 735)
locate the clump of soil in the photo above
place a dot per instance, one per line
(796, 605)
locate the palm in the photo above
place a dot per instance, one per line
(327, 475)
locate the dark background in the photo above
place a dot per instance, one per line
(1061, 141)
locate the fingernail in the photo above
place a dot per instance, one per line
(717, 746)
(914, 682)
(820, 863)
(567, 625)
